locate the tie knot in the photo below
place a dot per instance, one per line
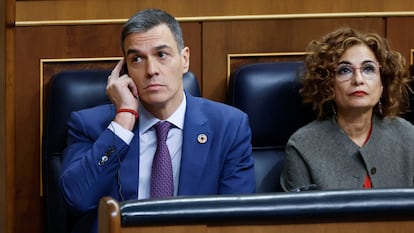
(162, 128)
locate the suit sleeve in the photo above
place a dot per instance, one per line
(90, 162)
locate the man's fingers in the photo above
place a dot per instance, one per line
(132, 87)
(117, 69)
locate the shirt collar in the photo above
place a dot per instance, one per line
(147, 120)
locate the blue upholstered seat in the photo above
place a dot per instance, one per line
(70, 91)
(269, 94)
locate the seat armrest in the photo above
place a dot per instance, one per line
(327, 205)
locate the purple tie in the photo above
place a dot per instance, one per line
(162, 184)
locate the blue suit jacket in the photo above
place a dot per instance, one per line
(222, 165)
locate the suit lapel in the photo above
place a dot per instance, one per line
(130, 168)
(195, 148)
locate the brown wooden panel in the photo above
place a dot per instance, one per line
(57, 42)
(329, 227)
(3, 187)
(263, 36)
(34, 44)
(355, 227)
(210, 43)
(7, 117)
(118, 9)
(192, 38)
(317, 227)
(400, 34)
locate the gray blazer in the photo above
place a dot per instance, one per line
(321, 153)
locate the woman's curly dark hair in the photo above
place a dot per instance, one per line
(323, 56)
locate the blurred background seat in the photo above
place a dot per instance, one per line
(268, 93)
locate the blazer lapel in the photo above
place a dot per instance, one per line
(196, 145)
(130, 169)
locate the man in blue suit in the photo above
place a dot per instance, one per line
(111, 147)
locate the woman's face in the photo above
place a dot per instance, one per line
(358, 86)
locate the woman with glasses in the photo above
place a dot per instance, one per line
(358, 87)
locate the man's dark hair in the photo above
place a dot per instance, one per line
(146, 19)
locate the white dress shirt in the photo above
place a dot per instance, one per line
(148, 144)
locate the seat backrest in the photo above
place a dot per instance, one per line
(71, 91)
(269, 94)
(409, 116)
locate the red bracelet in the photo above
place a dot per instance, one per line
(128, 110)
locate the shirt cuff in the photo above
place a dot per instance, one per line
(121, 132)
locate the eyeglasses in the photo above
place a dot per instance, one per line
(345, 72)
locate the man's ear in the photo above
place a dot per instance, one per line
(185, 55)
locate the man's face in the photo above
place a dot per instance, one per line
(157, 67)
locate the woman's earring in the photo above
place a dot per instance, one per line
(334, 110)
(380, 111)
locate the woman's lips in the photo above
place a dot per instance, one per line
(359, 93)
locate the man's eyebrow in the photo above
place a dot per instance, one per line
(134, 51)
(161, 47)
(157, 48)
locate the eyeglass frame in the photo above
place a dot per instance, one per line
(354, 68)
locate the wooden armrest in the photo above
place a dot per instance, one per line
(109, 216)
